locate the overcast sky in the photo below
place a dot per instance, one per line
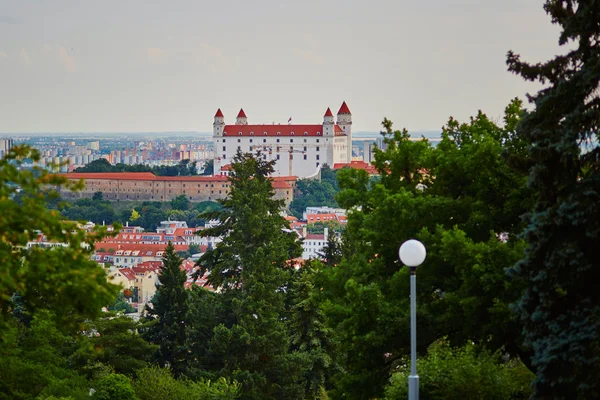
(149, 65)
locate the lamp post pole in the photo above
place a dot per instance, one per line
(413, 378)
(412, 254)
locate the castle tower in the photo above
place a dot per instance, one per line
(218, 127)
(328, 124)
(344, 120)
(219, 123)
(241, 118)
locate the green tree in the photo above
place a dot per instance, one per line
(462, 288)
(311, 335)
(251, 263)
(180, 202)
(209, 168)
(114, 387)
(468, 373)
(61, 278)
(121, 304)
(169, 308)
(560, 310)
(113, 341)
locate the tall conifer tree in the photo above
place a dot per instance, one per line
(169, 307)
(560, 309)
(252, 263)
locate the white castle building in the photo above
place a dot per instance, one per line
(298, 150)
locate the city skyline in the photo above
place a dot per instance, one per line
(153, 67)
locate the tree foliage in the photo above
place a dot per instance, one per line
(250, 266)
(61, 278)
(459, 199)
(169, 308)
(183, 168)
(560, 309)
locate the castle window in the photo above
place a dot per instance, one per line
(252, 133)
(305, 133)
(224, 148)
(317, 164)
(305, 156)
(304, 148)
(278, 133)
(292, 133)
(240, 134)
(304, 140)
(317, 148)
(239, 140)
(318, 133)
(317, 140)
(278, 156)
(264, 140)
(291, 140)
(277, 140)
(317, 156)
(250, 140)
(265, 133)
(239, 148)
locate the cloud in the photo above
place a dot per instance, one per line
(155, 53)
(5, 19)
(309, 56)
(67, 60)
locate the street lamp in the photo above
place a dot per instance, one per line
(412, 254)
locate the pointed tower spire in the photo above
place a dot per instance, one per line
(241, 118)
(219, 114)
(328, 113)
(344, 109)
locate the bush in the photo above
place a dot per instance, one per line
(463, 373)
(156, 383)
(114, 387)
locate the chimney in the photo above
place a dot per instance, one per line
(304, 232)
(325, 234)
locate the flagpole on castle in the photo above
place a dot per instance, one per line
(290, 121)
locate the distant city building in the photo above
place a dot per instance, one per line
(95, 146)
(314, 244)
(298, 150)
(5, 145)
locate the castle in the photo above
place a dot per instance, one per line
(298, 150)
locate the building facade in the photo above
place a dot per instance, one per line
(145, 186)
(298, 150)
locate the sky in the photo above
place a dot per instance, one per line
(151, 66)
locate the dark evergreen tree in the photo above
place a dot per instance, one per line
(169, 308)
(310, 334)
(560, 308)
(252, 264)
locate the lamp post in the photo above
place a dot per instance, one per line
(412, 254)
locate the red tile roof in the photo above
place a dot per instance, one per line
(339, 131)
(149, 176)
(272, 130)
(313, 236)
(226, 167)
(312, 218)
(241, 114)
(357, 165)
(219, 113)
(344, 109)
(281, 185)
(127, 273)
(328, 113)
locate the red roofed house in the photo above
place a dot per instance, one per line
(357, 165)
(298, 150)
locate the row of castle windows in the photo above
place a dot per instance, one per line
(278, 133)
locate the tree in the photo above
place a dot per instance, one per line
(208, 168)
(458, 199)
(113, 341)
(114, 387)
(560, 309)
(468, 372)
(62, 278)
(252, 265)
(98, 196)
(169, 307)
(180, 202)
